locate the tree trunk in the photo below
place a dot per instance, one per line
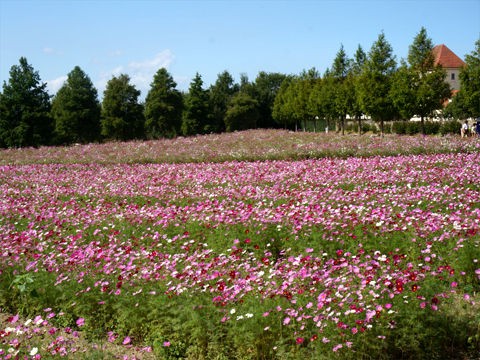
(359, 120)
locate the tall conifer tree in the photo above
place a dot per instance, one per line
(163, 107)
(76, 110)
(122, 115)
(196, 115)
(24, 109)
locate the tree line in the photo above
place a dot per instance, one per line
(369, 84)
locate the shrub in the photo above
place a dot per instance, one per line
(450, 127)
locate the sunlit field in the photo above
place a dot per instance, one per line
(252, 245)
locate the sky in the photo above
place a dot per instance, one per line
(106, 38)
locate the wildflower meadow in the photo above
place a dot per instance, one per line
(262, 244)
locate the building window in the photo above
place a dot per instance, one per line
(452, 76)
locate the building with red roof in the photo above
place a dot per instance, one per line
(451, 63)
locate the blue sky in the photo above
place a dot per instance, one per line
(109, 37)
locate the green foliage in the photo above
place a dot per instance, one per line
(122, 115)
(24, 109)
(163, 107)
(420, 88)
(196, 117)
(219, 96)
(470, 80)
(76, 110)
(450, 127)
(365, 127)
(415, 127)
(266, 88)
(242, 113)
(282, 111)
(467, 102)
(375, 82)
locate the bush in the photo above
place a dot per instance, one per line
(415, 127)
(432, 127)
(450, 127)
(366, 127)
(399, 127)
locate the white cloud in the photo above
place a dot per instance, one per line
(55, 84)
(115, 53)
(141, 72)
(162, 59)
(51, 51)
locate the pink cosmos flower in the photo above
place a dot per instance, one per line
(80, 322)
(111, 336)
(337, 347)
(127, 340)
(166, 343)
(13, 319)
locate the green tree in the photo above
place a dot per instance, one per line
(122, 115)
(355, 108)
(242, 112)
(76, 110)
(197, 112)
(467, 101)
(402, 91)
(300, 93)
(342, 95)
(375, 82)
(220, 95)
(315, 102)
(282, 112)
(266, 87)
(24, 109)
(420, 88)
(163, 107)
(327, 96)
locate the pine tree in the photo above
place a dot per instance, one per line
(421, 88)
(242, 112)
(220, 95)
(163, 107)
(340, 70)
(266, 87)
(196, 115)
(24, 109)
(375, 82)
(76, 110)
(357, 66)
(122, 115)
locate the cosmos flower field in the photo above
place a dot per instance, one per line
(332, 257)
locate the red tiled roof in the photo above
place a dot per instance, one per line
(446, 57)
